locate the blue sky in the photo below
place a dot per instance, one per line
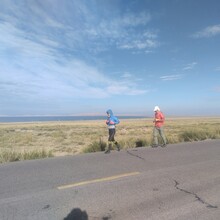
(75, 57)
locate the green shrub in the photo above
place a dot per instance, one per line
(100, 146)
(197, 135)
(141, 143)
(10, 156)
(95, 147)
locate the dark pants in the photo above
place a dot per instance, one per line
(111, 140)
(111, 134)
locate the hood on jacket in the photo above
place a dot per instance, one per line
(109, 111)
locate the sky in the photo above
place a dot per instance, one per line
(80, 57)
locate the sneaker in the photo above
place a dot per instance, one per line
(117, 146)
(107, 151)
(164, 145)
(154, 146)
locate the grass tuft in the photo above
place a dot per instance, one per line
(141, 143)
(198, 135)
(95, 147)
(11, 156)
(21, 141)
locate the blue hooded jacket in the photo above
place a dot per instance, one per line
(111, 120)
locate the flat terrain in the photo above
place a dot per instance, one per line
(68, 138)
(181, 181)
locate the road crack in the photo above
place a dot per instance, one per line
(208, 205)
(134, 155)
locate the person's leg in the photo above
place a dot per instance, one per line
(110, 140)
(115, 142)
(117, 145)
(161, 131)
(108, 147)
(155, 137)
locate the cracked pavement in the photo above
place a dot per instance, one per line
(179, 182)
(195, 195)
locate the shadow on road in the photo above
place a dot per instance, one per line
(77, 214)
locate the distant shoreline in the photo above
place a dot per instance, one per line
(8, 119)
(30, 119)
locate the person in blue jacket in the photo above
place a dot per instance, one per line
(111, 122)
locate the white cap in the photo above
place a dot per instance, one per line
(156, 108)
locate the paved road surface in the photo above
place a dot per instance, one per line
(181, 181)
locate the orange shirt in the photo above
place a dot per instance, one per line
(159, 119)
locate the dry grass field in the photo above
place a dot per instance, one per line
(19, 141)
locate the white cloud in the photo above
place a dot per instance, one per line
(53, 81)
(40, 58)
(171, 77)
(126, 75)
(78, 27)
(122, 33)
(190, 66)
(23, 45)
(139, 44)
(134, 20)
(121, 89)
(127, 85)
(210, 31)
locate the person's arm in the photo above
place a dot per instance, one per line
(159, 117)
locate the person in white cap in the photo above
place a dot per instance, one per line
(158, 127)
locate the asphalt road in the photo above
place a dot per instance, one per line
(181, 181)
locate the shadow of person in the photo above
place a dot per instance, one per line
(77, 214)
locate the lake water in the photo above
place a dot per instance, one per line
(60, 118)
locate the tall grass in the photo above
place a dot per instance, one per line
(20, 141)
(176, 130)
(10, 156)
(199, 134)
